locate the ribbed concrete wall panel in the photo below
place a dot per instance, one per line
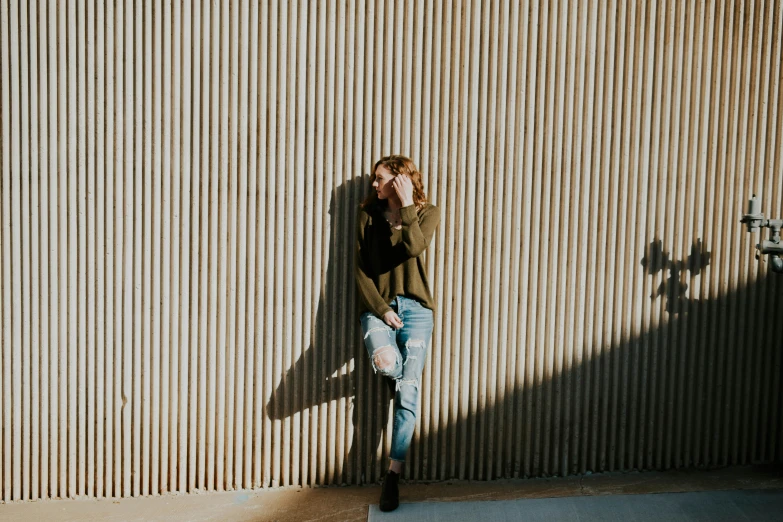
(179, 191)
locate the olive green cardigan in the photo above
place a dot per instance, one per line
(389, 262)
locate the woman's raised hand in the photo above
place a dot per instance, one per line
(392, 319)
(403, 186)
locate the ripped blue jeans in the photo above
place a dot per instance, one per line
(400, 355)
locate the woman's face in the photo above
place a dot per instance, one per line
(383, 182)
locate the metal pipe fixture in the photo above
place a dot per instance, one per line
(755, 220)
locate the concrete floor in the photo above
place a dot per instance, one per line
(758, 505)
(351, 503)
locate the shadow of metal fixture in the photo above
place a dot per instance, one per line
(674, 288)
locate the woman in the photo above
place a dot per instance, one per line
(395, 226)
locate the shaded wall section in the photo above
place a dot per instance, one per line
(179, 190)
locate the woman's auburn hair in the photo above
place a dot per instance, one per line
(398, 164)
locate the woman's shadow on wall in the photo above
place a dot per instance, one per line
(333, 378)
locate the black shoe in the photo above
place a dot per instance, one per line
(392, 384)
(390, 494)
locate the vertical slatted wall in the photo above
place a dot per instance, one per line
(179, 186)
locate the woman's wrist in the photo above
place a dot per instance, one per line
(408, 214)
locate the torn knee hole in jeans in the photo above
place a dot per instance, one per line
(376, 329)
(408, 382)
(414, 343)
(384, 358)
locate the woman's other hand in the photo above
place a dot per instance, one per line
(392, 319)
(403, 186)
